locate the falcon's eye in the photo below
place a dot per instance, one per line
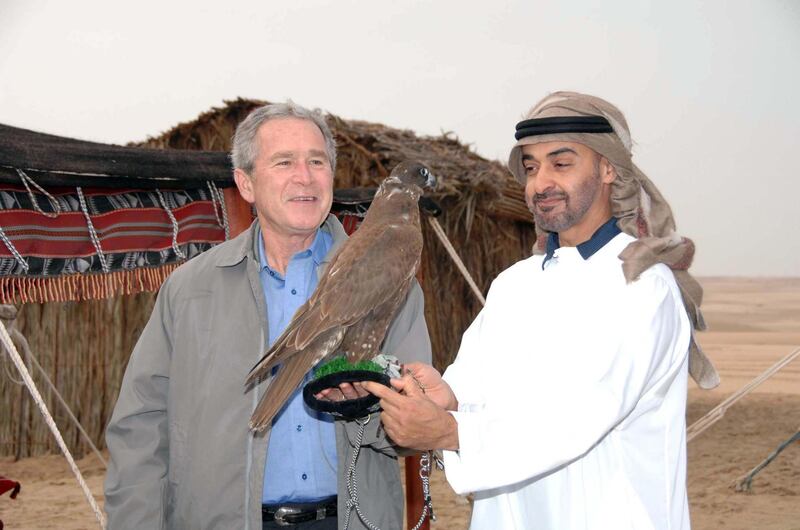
(424, 172)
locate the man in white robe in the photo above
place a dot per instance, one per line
(565, 407)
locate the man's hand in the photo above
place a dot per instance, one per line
(343, 392)
(432, 384)
(411, 419)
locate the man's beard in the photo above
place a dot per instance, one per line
(575, 205)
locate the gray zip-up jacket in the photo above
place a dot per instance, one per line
(181, 453)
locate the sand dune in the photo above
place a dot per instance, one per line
(753, 323)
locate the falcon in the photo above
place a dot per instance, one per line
(357, 296)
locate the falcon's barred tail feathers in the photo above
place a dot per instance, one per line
(357, 296)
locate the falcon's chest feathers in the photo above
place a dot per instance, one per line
(357, 296)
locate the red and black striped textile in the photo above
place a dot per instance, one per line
(44, 242)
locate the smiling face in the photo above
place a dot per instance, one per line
(568, 189)
(291, 184)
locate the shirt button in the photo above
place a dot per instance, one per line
(299, 428)
(304, 476)
(271, 273)
(294, 291)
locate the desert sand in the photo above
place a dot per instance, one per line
(752, 324)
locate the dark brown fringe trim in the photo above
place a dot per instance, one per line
(76, 287)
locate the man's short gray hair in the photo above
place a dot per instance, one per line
(245, 146)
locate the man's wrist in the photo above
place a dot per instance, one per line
(449, 440)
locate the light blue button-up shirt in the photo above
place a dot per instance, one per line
(301, 457)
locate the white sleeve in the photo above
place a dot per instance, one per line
(523, 432)
(465, 369)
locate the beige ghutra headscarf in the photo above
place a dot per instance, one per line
(639, 207)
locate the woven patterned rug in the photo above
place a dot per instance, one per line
(77, 244)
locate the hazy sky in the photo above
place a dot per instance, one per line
(711, 89)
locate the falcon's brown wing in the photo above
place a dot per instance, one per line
(362, 279)
(364, 338)
(369, 277)
(365, 274)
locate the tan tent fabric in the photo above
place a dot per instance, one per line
(635, 201)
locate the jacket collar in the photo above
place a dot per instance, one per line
(336, 230)
(245, 245)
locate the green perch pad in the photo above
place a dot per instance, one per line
(341, 364)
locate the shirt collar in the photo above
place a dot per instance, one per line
(588, 248)
(317, 250)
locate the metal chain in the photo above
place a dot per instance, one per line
(352, 490)
(53, 202)
(175, 227)
(92, 233)
(425, 475)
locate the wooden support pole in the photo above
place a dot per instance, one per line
(414, 500)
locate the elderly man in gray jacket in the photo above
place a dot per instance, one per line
(181, 452)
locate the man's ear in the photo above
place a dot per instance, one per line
(608, 172)
(245, 185)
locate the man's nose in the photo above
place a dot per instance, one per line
(543, 181)
(302, 175)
